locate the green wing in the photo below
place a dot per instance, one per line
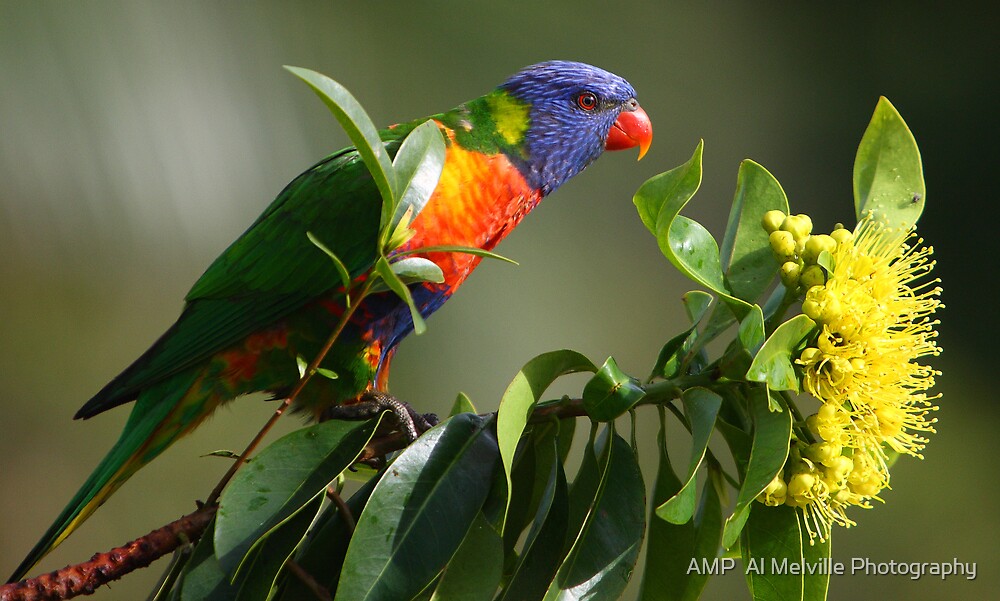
(268, 272)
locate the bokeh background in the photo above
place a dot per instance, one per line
(138, 139)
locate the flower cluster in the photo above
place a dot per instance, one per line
(873, 307)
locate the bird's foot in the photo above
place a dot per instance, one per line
(373, 402)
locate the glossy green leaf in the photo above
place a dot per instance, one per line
(360, 129)
(384, 270)
(203, 578)
(523, 393)
(672, 547)
(418, 164)
(258, 578)
(674, 187)
(816, 586)
(701, 407)
(777, 557)
(683, 241)
(772, 432)
(611, 392)
(602, 558)
(888, 174)
(751, 331)
(668, 362)
(746, 252)
(169, 586)
(544, 547)
(322, 553)
(420, 511)
(474, 572)
(281, 480)
(773, 363)
(462, 404)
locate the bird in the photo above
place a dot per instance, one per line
(273, 297)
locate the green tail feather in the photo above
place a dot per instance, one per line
(140, 442)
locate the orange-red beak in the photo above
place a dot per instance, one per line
(631, 129)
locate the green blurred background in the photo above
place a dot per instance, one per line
(138, 139)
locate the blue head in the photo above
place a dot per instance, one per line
(576, 112)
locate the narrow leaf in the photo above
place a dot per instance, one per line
(384, 270)
(359, 128)
(772, 432)
(417, 269)
(462, 404)
(523, 393)
(451, 248)
(701, 407)
(345, 276)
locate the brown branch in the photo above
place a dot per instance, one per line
(86, 577)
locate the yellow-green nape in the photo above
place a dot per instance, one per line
(510, 115)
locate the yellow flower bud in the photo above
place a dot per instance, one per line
(821, 304)
(841, 235)
(800, 226)
(817, 244)
(771, 221)
(790, 271)
(823, 452)
(782, 245)
(774, 493)
(812, 275)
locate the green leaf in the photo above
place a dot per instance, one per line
(420, 511)
(751, 331)
(602, 558)
(281, 480)
(322, 553)
(683, 241)
(544, 547)
(772, 432)
(701, 406)
(611, 392)
(746, 252)
(418, 164)
(474, 572)
(777, 557)
(773, 363)
(462, 404)
(417, 269)
(522, 395)
(676, 187)
(360, 129)
(888, 175)
(259, 577)
(345, 276)
(169, 586)
(668, 362)
(384, 270)
(452, 248)
(672, 547)
(202, 578)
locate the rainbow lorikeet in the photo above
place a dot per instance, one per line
(273, 296)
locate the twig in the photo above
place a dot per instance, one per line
(317, 589)
(85, 578)
(345, 511)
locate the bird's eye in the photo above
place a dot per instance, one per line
(587, 101)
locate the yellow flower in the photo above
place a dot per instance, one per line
(875, 312)
(876, 320)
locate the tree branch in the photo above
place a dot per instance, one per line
(85, 578)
